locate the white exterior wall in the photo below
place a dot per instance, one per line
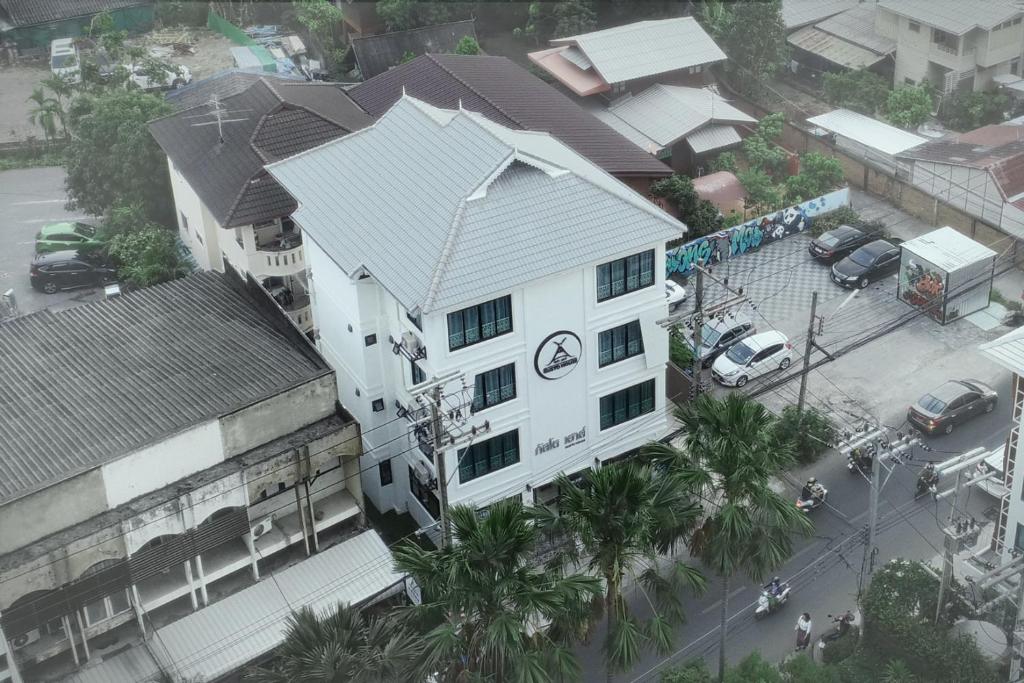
(203, 235)
(911, 47)
(542, 410)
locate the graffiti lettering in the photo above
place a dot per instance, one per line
(752, 234)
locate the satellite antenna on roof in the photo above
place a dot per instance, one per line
(219, 113)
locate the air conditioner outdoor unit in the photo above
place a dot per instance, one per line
(411, 342)
(25, 639)
(422, 473)
(263, 526)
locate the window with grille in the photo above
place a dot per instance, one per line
(627, 404)
(489, 456)
(494, 386)
(619, 343)
(625, 275)
(478, 323)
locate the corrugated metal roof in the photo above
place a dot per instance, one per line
(832, 48)
(32, 12)
(667, 113)
(646, 48)
(228, 634)
(797, 13)
(130, 666)
(1008, 350)
(576, 56)
(948, 249)
(173, 356)
(857, 25)
(867, 131)
(625, 130)
(521, 204)
(954, 16)
(713, 137)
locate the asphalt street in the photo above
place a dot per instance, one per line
(29, 199)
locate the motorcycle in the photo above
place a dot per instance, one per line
(926, 485)
(860, 464)
(769, 603)
(843, 622)
(814, 502)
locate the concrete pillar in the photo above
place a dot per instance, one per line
(202, 580)
(137, 606)
(71, 639)
(81, 629)
(250, 543)
(191, 585)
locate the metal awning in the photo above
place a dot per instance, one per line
(833, 48)
(713, 137)
(231, 633)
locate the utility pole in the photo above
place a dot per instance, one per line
(807, 355)
(437, 431)
(698, 330)
(1015, 640)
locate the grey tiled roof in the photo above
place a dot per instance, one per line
(483, 207)
(646, 48)
(223, 84)
(797, 13)
(278, 118)
(510, 95)
(31, 12)
(376, 54)
(86, 385)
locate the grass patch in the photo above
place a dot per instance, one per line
(31, 158)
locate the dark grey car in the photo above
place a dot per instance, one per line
(717, 336)
(951, 404)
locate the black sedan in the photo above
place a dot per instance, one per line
(835, 244)
(872, 261)
(69, 270)
(951, 404)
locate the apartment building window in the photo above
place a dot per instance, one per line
(424, 495)
(914, 26)
(418, 376)
(184, 221)
(1015, 66)
(627, 404)
(625, 275)
(107, 608)
(619, 343)
(1018, 540)
(488, 456)
(479, 323)
(378, 405)
(384, 472)
(494, 386)
(370, 339)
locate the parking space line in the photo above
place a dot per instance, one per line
(52, 220)
(40, 201)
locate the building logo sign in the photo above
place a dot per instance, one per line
(558, 355)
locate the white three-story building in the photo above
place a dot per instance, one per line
(440, 244)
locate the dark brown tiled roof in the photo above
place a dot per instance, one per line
(277, 119)
(992, 135)
(31, 12)
(85, 385)
(376, 54)
(1004, 161)
(511, 96)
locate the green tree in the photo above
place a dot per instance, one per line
(762, 193)
(909, 106)
(45, 112)
(573, 17)
(819, 173)
(488, 613)
(62, 89)
(700, 216)
(401, 15)
(760, 149)
(619, 518)
(726, 161)
(729, 457)
(146, 256)
(321, 18)
(806, 434)
(753, 35)
(343, 645)
(860, 90)
(467, 46)
(112, 159)
(965, 111)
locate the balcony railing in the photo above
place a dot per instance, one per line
(280, 256)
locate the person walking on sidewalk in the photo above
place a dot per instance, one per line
(803, 631)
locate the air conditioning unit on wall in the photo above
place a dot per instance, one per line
(263, 526)
(411, 342)
(24, 639)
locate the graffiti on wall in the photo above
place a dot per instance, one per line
(755, 233)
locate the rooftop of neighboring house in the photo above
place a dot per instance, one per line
(592, 62)
(494, 208)
(723, 189)
(269, 120)
(662, 115)
(173, 356)
(509, 95)
(20, 13)
(377, 53)
(847, 38)
(999, 149)
(1007, 350)
(797, 13)
(954, 16)
(222, 84)
(869, 132)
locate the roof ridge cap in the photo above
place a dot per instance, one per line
(446, 253)
(486, 99)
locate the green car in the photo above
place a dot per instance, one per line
(63, 236)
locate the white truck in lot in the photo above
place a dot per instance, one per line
(64, 60)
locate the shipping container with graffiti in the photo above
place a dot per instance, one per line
(752, 234)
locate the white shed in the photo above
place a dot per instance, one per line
(869, 139)
(946, 273)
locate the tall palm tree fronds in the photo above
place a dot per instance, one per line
(488, 612)
(45, 113)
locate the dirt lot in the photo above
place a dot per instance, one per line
(16, 83)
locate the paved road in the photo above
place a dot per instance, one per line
(29, 199)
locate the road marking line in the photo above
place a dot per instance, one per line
(53, 220)
(40, 201)
(718, 603)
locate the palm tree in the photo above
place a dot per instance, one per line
(45, 113)
(488, 612)
(619, 519)
(62, 90)
(344, 645)
(730, 455)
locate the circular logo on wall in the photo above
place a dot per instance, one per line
(558, 355)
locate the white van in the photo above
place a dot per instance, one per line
(64, 60)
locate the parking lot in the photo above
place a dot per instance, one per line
(877, 381)
(29, 199)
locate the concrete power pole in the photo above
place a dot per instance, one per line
(437, 431)
(698, 330)
(807, 354)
